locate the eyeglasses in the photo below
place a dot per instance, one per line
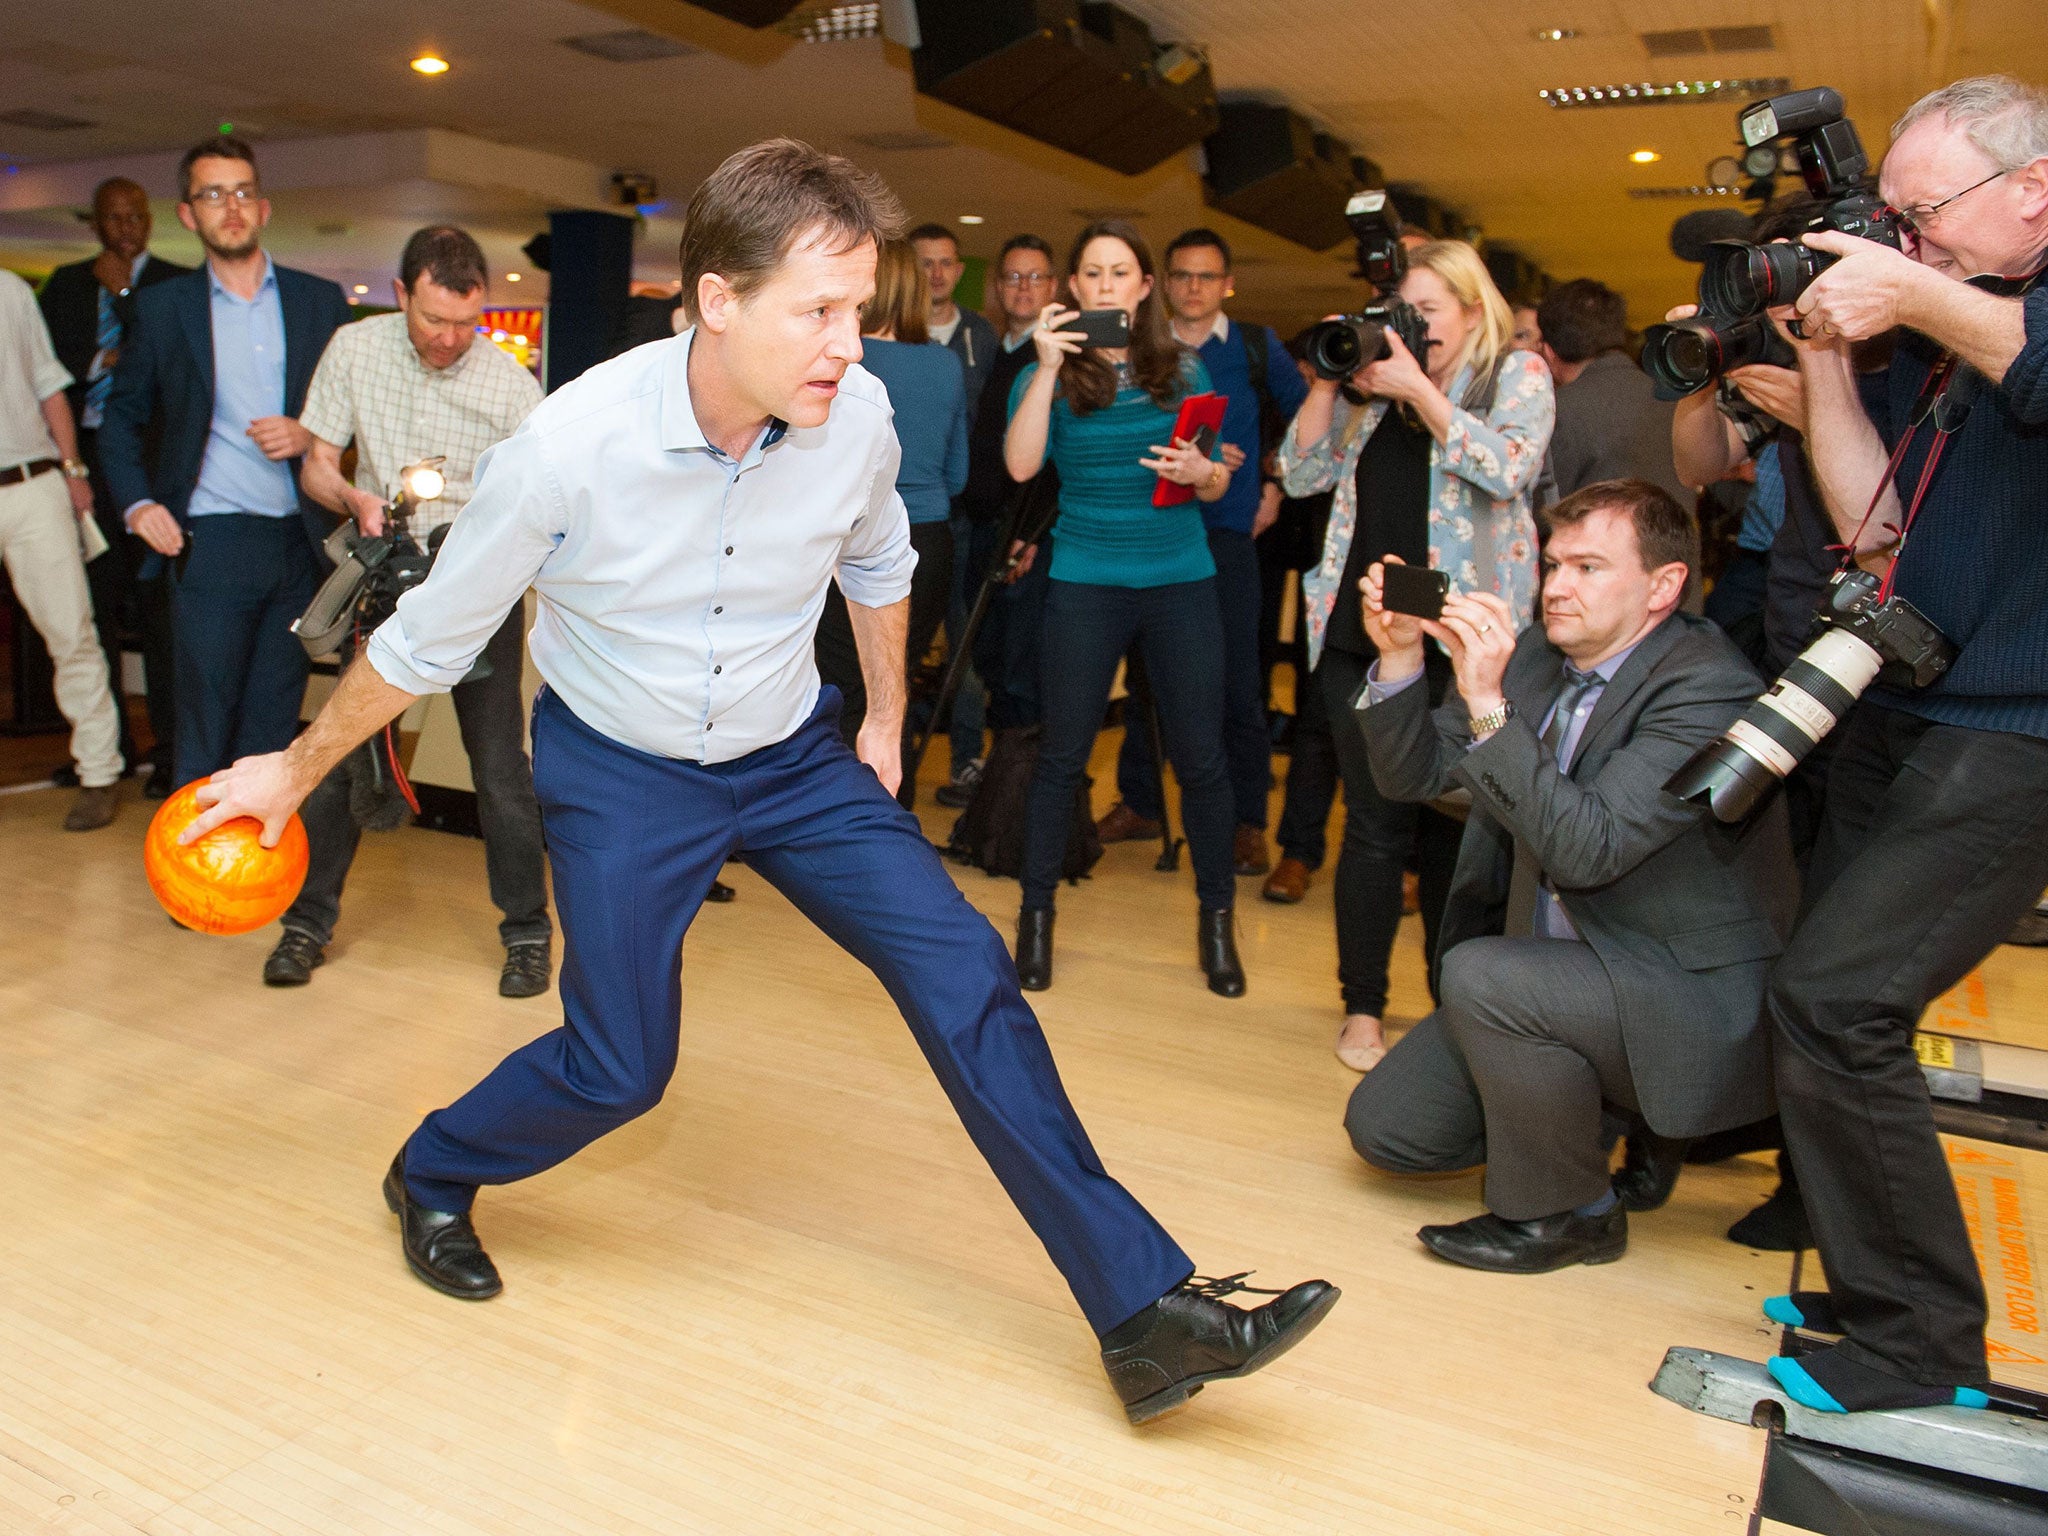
(1025, 279)
(1203, 278)
(213, 197)
(1918, 216)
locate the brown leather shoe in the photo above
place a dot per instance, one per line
(1288, 883)
(93, 808)
(1124, 825)
(1248, 854)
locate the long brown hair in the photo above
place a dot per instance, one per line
(1086, 379)
(902, 297)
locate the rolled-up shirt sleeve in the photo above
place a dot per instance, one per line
(876, 560)
(492, 554)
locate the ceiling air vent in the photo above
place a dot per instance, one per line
(631, 46)
(49, 122)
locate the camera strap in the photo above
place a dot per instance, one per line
(1944, 374)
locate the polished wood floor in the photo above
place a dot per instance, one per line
(791, 1299)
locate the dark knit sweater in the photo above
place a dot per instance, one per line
(1977, 561)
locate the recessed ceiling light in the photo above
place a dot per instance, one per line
(1555, 34)
(971, 218)
(1645, 156)
(361, 289)
(511, 277)
(430, 64)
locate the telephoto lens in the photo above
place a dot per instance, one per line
(1732, 774)
(1685, 356)
(1338, 348)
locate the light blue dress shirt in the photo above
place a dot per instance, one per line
(679, 588)
(1549, 920)
(248, 382)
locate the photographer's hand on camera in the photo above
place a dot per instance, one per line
(1397, 637)
(1871, 289)
(368, 509)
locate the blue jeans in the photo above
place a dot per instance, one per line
(1087, 631)
(636, 841)
(1247, 744)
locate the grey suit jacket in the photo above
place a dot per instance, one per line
(1685, 914)
(1611, 426)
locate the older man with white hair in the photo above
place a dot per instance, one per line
(1935, 833)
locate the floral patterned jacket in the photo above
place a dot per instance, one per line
(1482, 478)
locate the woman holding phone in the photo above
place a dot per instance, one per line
(1123, 570)
(1433, 460)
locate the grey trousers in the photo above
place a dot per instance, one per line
(1512, 1070)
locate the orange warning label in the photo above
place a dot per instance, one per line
(1993, 1212)
(2005, 1354)
(1969, 1156)
(1964, 1009)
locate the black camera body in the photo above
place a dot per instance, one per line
(1740, 279)
(1338, 348)
(1915, 652)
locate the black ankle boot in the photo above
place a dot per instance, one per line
(1216, 945)
(1034, 949)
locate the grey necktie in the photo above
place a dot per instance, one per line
(1527, 875)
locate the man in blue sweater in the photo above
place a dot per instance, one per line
(1934, 838)
(1248, 364)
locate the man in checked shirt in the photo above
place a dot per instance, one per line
(405, 387)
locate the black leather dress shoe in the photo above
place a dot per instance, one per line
(720, 892)
(160, 782)
(527, 967)
(294, 960)
(1650, 1166)
(1216, 944)
(1531, 1247)
(1190, 1337)
(440, 1246)
(1034, 949)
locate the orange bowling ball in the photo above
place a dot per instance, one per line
(227, 882)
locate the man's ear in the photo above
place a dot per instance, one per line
(1667, 585)
(716, 303)
(185, 217)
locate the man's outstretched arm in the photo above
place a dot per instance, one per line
(881, 636)
(271, 787)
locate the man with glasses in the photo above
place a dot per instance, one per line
(973, 340)
(88, 306)
(1248, 364)
(1006, 649)
(213, 377)
(1934, 837)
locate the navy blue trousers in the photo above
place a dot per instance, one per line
(1247, 743)
(635, 841)
(241, 672)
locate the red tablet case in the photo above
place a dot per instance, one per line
(1196, 412)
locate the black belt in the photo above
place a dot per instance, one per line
(27, 471)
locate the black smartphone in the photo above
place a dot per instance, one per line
(1102, 327)
(1413, 589)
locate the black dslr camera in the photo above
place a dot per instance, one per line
(1857, 639)
(371, 574)
(1338, 348)
(1741, 279)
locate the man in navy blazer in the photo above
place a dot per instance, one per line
(216, 370)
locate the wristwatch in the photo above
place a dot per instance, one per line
(1492, 720)
(77, 469)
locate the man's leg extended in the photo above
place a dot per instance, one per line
(636, 842)
(818, 825)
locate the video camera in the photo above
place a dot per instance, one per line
(1338, 348)
(371, 574)
(1740, 279)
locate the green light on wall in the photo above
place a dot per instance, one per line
(227, 128)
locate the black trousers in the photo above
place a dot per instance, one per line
(241, 671)
(1380, 836)
(490, 712)
(1088, 629)
(1247, 744)
(1008, 645)
(1933, 843)
(1311, 778)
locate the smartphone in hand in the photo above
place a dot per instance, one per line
(1415, 590)
(1102, 327)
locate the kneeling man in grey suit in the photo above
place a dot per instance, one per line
(1604, 946)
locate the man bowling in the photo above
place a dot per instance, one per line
(679, 511)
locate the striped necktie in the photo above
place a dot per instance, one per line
(108, 335)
